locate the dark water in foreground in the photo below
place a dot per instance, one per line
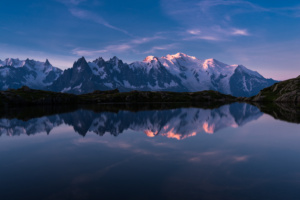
(232, 152)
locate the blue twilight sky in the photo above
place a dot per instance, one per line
(263, 35)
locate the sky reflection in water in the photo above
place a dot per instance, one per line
(161, 154)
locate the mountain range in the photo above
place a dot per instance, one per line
(15, 73)
(179, 72)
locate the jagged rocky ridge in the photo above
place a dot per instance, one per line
(179, 72)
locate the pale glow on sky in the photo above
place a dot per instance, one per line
(261, 35)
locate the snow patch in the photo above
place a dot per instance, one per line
(66, 89)
(97, 70)
(171, 84)
(78, 86)
(127, 84)
(245, 84)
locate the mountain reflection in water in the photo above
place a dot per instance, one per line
(257, 160)
(179, 123)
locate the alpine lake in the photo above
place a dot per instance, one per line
(230, 152)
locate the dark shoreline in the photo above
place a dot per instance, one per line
(27, 96)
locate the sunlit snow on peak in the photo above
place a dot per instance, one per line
(149, 58)
(179, 55)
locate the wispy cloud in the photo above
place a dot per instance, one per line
(107, 49)
(73, 7)
(288, 11)
(243, 32)
(206, 37)
(214, 19)
(87, 15)
(71, 2)
(161, 47)
(146, 39)
(118, 48)
(86, 52)
(236, 6)
(210, 19)
(196, 34)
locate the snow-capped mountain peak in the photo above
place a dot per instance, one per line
(213, 63)
(179, 55)
(12, 62)
(170, 58)
(209, 63)
(250, 72)
(149, 59)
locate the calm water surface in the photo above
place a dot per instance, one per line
(232, 152)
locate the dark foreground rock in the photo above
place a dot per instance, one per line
(27, 96)
(146, 96)
(285, 91)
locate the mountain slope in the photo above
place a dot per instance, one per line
(15, 73)
(285, 91)
(178, 72)
(245, 82)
